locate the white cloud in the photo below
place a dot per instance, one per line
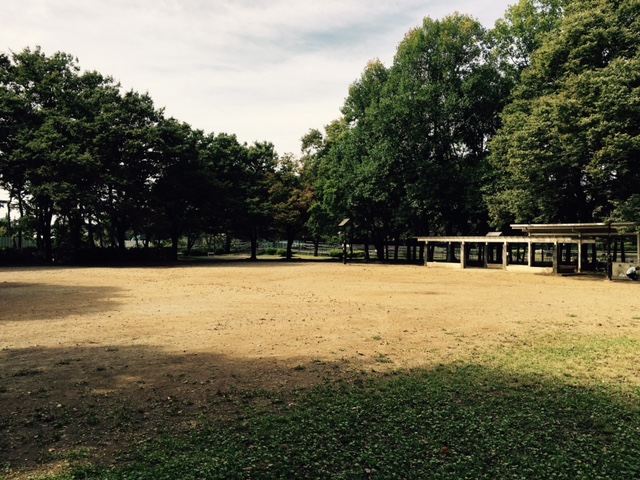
(265, 70)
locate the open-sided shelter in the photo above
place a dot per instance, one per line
(559, 248)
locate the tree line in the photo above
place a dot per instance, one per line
(470, 129)
(87, 165)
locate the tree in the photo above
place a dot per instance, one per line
(182, 190)
(290, 199)
(254, 209)
(570, 142)
(320, 223)
(439, 109)
(125, 145)
(45, 162)
(521, 32)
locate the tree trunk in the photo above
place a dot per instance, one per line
(379, 245)
(289, 255)
(227, 243)
(254, 243)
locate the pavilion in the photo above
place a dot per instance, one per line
(544, 248)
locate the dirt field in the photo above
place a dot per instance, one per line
(93, 358)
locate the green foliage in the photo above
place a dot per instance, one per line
(86, 164)
(460, 421)
(522, 31)
(409, 154)
(570, 142)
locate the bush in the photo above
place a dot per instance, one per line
(270, 251)
(17, 256)
(282, 252)
(335, 253)
(195, 252)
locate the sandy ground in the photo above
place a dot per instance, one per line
(90, 357)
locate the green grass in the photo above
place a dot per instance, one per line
(463, 421)
(558, 405)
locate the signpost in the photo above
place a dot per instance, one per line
(343, 224)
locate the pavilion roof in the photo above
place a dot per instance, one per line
(578, 229)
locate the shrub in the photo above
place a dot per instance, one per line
(195, 252)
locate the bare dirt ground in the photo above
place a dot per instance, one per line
(94, 360)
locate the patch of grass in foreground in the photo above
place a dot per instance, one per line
(460, 421)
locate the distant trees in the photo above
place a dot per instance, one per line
(88, 166)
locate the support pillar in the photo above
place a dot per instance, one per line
(463, 255)
(579, 255)
(505, 256)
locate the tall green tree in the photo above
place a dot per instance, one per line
(290, 198)
(569, 146)
(440, 107)
(320, 225)
(125, 145)
(254, 209)
(182, 191)
(45, 159)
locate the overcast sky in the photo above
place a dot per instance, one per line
(264, 70)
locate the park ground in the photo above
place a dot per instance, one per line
(95, 361)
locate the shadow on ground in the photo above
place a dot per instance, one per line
(50, 302)
(101, 402)
(106, 398)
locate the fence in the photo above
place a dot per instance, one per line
(307, 248)
(10, 242)
(300, 248)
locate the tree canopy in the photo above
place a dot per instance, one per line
(469, 129)
(568, 147)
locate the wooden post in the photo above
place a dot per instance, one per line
(530, 254)
(556, 255)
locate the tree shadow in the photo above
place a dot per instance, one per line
(48, 302)
(103, 400)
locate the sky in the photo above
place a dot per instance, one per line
(267, 70)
